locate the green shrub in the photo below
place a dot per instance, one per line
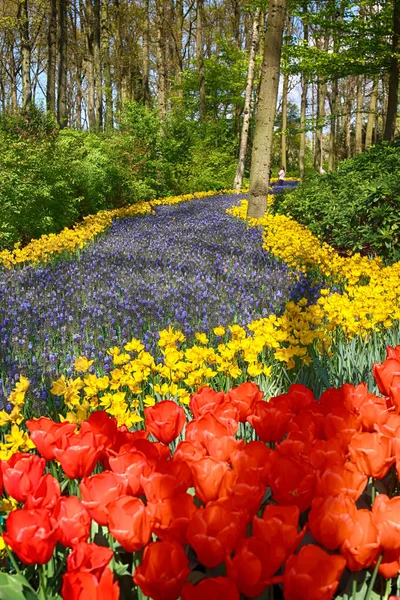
(355, 208)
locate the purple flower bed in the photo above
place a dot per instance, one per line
(191, 265)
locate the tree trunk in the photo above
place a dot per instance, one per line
(371, 113)
(26, 49)
(62, 66)
(13, 78)
(360, 101)
(264, 130)
(161, 67)
(318, 153)
(200, 58)
(349, 110)
(303, 139)
(146, 56)
(284, 119)
(247, 103)
(332, 131)
(391, 115)
(51, 59)
(97, 65)
(178, 46)
(105, 48)
(303, 106)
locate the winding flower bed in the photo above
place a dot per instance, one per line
(147, 481)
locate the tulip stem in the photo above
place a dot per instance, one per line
(12, 560)
(373, 491)
(43, 584)
(388, 588)
(354, 587)
(373, 578)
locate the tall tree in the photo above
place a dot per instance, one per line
(264, 130)
(373, 103)
(62, 66)
(303, 105)
(247, 102)
(26, 47)
(200, 58)
(51, 59)
(393, 97)
(105, 54)
(359, 114)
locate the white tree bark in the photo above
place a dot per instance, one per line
(247, 102)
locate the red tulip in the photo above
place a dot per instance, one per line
(222, 448)
(32, 535)
(386, 512)
(197, 431)
(341, 479)
(270, 419)
(85, 586)
(205, 400)
(190, 451)
(244, 397)
(45, 434)
(312, 574)
(394, 392)
(131, 466)
(362, 546)
(45, 495)
(124, 436)
(245, 491)
(326, 453)
(207, 476)
(384, 373)
(89, 558)
(228, 414)
(254, 455)
(213, 533)
(129, 523)
(22, 474)
(72, 519)
(390, 565)
(372, 410)
(163, 571)
(98, 491)
(171, 517)
(169, 479)
(372, 453)
(78, 453)
(279, 526)
(342, 424)
(165, 420)
(104, 428)
(331, 520)
(254, 565)
(393, 352)
(292, 482)
(354, 395)
(299, 397)
(212, 588)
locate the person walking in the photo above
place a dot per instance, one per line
(281, 175)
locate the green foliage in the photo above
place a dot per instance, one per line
(355, 208)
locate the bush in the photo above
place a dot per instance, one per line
(355, 208)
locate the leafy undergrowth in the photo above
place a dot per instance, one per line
(355, 208)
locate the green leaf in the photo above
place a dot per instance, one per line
(15, 587)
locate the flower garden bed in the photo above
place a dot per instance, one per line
(179, 464)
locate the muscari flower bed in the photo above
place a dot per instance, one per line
(190, 266)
